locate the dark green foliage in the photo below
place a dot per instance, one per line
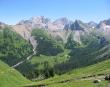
(13, 48)
(84, 56)
(49, 62)
(42, 66)
(31, 71)
(46, 44)
(71, 43)
(79, 55)
(28, 70)
(48, 71)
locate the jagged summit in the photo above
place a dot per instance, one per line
(25, 27)
(46, 23)
(107, 22)
(77, 25)
(104, 25)
(62, 20)
(62, 23)
(92, 24)
(37, 19)
(2, 25)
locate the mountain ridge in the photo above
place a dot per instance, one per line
(59, 51)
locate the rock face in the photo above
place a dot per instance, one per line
(2, 25)
(77, 25)
(59, 27)
(92, 24)
(25, 27)
(105, 25)
(45, 23)
(107, 22)
(35, 22)
(60, 23)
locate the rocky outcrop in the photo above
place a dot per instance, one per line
(2, 25)
(45, 23)
(105, 25)
(77, 25)
(92, 24)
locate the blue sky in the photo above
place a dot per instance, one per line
(12, 11)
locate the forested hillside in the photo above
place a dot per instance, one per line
(13, 48)
(54, 57)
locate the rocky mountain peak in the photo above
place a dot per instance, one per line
(92, 24)
(2, 25)
(62, 21)
(105, 25)
(77, 25)
(107, 22)
(45, 23)
(40, 19)
(36, 20)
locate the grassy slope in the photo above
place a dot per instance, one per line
(53, 60)
(9, 77)
(96, 69)
(37, 63)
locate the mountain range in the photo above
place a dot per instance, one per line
(24, 27)
(57, 27)
(40, 48)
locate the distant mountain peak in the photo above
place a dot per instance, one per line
(2, 25)
(107, 22)
(77, 25)
(40, 19)
(62, 20)
(45, 23)
(35, 20)
(92, 24)
(105, 25)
